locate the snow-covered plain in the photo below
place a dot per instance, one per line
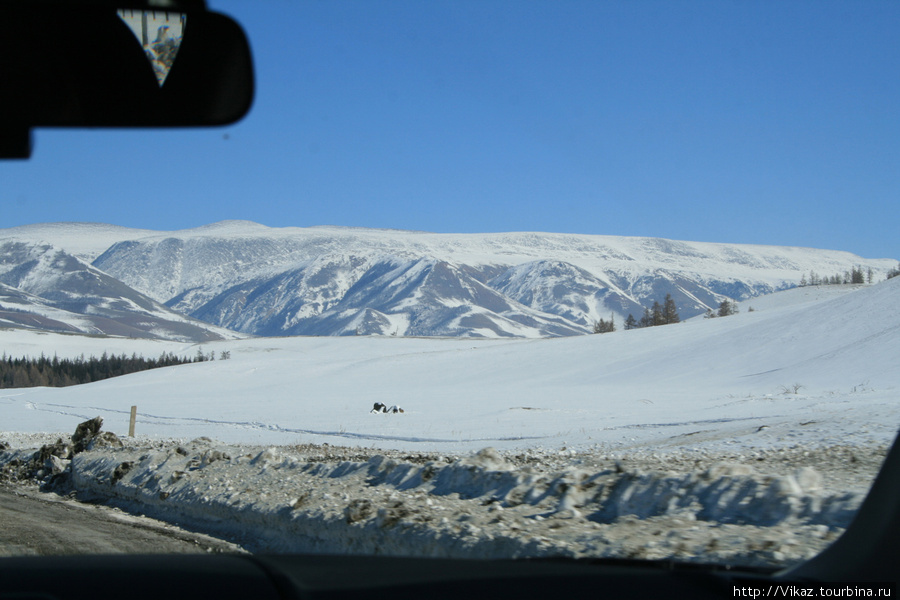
(718, 379)
(810, 372)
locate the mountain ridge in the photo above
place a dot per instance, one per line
(67, 233)
(328, 280)
(44, 287)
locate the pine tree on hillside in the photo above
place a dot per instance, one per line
(670, 311)
(631, 323)
(727, 308)
(646, 319)
(603, 326)
(657, 314)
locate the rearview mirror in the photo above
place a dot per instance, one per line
(71, 64)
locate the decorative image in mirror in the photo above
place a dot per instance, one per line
(159, 33)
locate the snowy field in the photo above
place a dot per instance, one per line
(798, 397)
(810, 365)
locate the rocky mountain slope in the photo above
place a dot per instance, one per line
(43, 287)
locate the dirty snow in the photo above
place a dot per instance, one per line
(325, 499)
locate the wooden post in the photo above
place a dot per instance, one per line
(131, 422)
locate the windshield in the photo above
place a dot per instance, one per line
(474, 280)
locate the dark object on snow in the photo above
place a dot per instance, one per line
(105, 439)
(381, 408)
(84, 433)
(51, 466)
(60, 450)
(120, 471)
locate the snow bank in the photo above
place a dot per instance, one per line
(487, 505)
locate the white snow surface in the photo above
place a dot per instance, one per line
(807, 370)
(591, 252)
(85, 240)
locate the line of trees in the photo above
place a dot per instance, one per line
(604, 326)
(62, 372)
(853, 276)
(659, 314)
(726, 309)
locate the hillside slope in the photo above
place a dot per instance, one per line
(45, 288)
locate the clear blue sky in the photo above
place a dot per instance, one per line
(754, 122)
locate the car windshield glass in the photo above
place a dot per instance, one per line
(472, 279)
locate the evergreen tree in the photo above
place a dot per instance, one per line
(726, 308)
(646, 319)
(657, 314)
(20, 378)
(630, 322)
(670, 311)
(603, 326)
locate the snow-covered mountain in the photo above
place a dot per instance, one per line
(345, 281)
(43, 287)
